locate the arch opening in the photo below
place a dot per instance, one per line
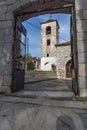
(36, 9)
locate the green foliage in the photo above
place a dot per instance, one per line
(30, 65)
(28, 59)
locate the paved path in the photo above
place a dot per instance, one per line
(52, 88)
(19, 114)
(21, 111)
(49, 84)
(63, 95)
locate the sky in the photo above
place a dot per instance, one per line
(33, 27)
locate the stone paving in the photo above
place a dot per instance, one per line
(48, 84)
(17, 114)
(38, 113)
(48, 88)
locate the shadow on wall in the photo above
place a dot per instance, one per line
(65, 122)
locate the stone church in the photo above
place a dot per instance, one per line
(54, 56)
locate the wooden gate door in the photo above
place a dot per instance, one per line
(68, 70)
(19, 54)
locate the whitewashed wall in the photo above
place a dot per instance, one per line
(49, 61)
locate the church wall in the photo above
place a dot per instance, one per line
(63, 55)
(47, 62)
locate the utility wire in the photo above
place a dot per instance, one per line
(40, 29)
(33, 25)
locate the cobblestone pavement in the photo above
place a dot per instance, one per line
(19, 115)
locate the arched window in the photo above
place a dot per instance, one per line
(48, 30)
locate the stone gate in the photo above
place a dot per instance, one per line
(24, 9)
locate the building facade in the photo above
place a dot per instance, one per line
(63, 54)
(54, 55)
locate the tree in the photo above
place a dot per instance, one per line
(30, 65)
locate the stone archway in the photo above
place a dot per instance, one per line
(27, 8)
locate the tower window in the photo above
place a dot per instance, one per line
(48, 42)
(48, 30)
(47, 55)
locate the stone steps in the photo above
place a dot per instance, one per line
(59, 95)
(41, 74)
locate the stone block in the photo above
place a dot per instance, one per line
(81, 4)
(81, 25)
(6, 16)
(83, 93)
(85, 14)
(14, 6)
(7, 80)
(2, 17)
(81, 36)
(3, 9)
(9, 16)
(9, 31)
(24, 2)
(5, 125)
(1, 80)
(2, 32)
(6, 24)
(82, 46)
(7, 49)
(82, 69)
(5, 69)
(6, 90)
(79, 14)
(10, 2)
(82, 81)
(2, 3)
(82, 57)
(6, 39)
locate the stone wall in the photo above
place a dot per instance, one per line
(63, 56)
(81, 22)
(51, 49)
(7, 9)
(6, 41)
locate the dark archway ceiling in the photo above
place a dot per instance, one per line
(43, 7)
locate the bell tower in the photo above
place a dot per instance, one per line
(49, 38)
(49, 33)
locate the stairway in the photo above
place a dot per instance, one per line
(35, 76)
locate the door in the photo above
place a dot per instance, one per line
(19, 55)
(68, 70)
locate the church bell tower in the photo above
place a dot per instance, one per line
(49, 38)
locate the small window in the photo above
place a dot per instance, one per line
(48, 42)
(48, 30)
(47, 55)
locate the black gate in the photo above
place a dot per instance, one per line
(74, 54)
(19, 55)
